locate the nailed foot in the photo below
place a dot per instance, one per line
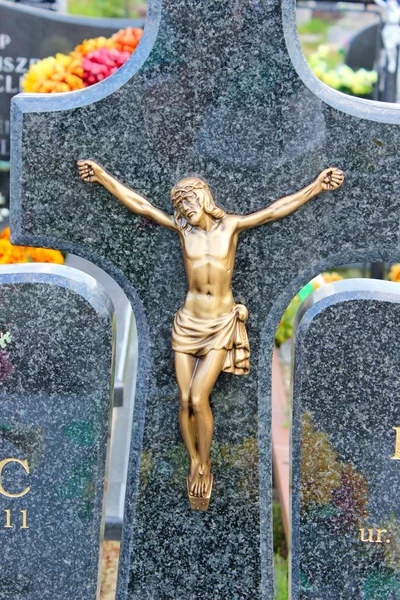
(199, 484)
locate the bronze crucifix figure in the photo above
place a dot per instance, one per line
(209, 333)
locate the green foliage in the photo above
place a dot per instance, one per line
(313, 27)
(281, 578)
(341, 77)
(285, 327)
(312, 34)
(105, 8)
(280, 546)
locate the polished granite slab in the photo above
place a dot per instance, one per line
(56, 369)
(346, 442)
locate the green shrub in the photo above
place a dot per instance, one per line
(281, 578)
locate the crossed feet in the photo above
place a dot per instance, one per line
(200, 478)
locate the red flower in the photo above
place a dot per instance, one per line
(99, 64)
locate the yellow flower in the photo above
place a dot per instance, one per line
(55, 74)
(93, 44)
(5, 251)
(394, 273)
(331, 277)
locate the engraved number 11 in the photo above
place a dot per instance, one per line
(8, 524)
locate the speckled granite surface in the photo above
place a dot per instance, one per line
(346, 515)
(55, 387)
(211, 89)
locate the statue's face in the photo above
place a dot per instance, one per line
(191, 208)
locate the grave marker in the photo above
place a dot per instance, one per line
(27, 34)
(210, 90)
(56, 348)
(346, 418)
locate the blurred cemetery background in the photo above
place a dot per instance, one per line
(351, 47)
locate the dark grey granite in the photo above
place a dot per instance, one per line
(55, 393)
(345, 482)
(211, 89)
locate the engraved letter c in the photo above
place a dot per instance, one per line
(24, 464)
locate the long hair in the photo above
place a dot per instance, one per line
(187, 188)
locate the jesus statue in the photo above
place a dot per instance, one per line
(209, 333)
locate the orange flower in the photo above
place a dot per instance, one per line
(5, 251)
(17, 254)
(10, 254)
(394, 273)
(93, 44)
(127, 39)
(45, 255)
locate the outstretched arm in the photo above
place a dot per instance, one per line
(92, 172)
(330, 179)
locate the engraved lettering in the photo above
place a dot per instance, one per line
(4, 146)
(8, 64)
(9, 519)
(21, 65)
(378, 535)
(396, 455)
(5, 40)
(8, 524)
(24, 519)
(3, 463)
(374, 536)
(9, 85)
(370, 536)
(4, 127)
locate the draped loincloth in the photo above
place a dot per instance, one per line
(197, 337)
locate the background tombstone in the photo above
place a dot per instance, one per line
(55, 390)
(220, 89)
(28, 34)
(346, 443)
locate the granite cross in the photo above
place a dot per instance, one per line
(219, 88)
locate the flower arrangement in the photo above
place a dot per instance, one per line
(342, 77)
(90, 62)
(10, 254)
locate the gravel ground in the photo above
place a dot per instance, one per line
(109, 570)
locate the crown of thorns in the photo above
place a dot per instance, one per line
(183, 191)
